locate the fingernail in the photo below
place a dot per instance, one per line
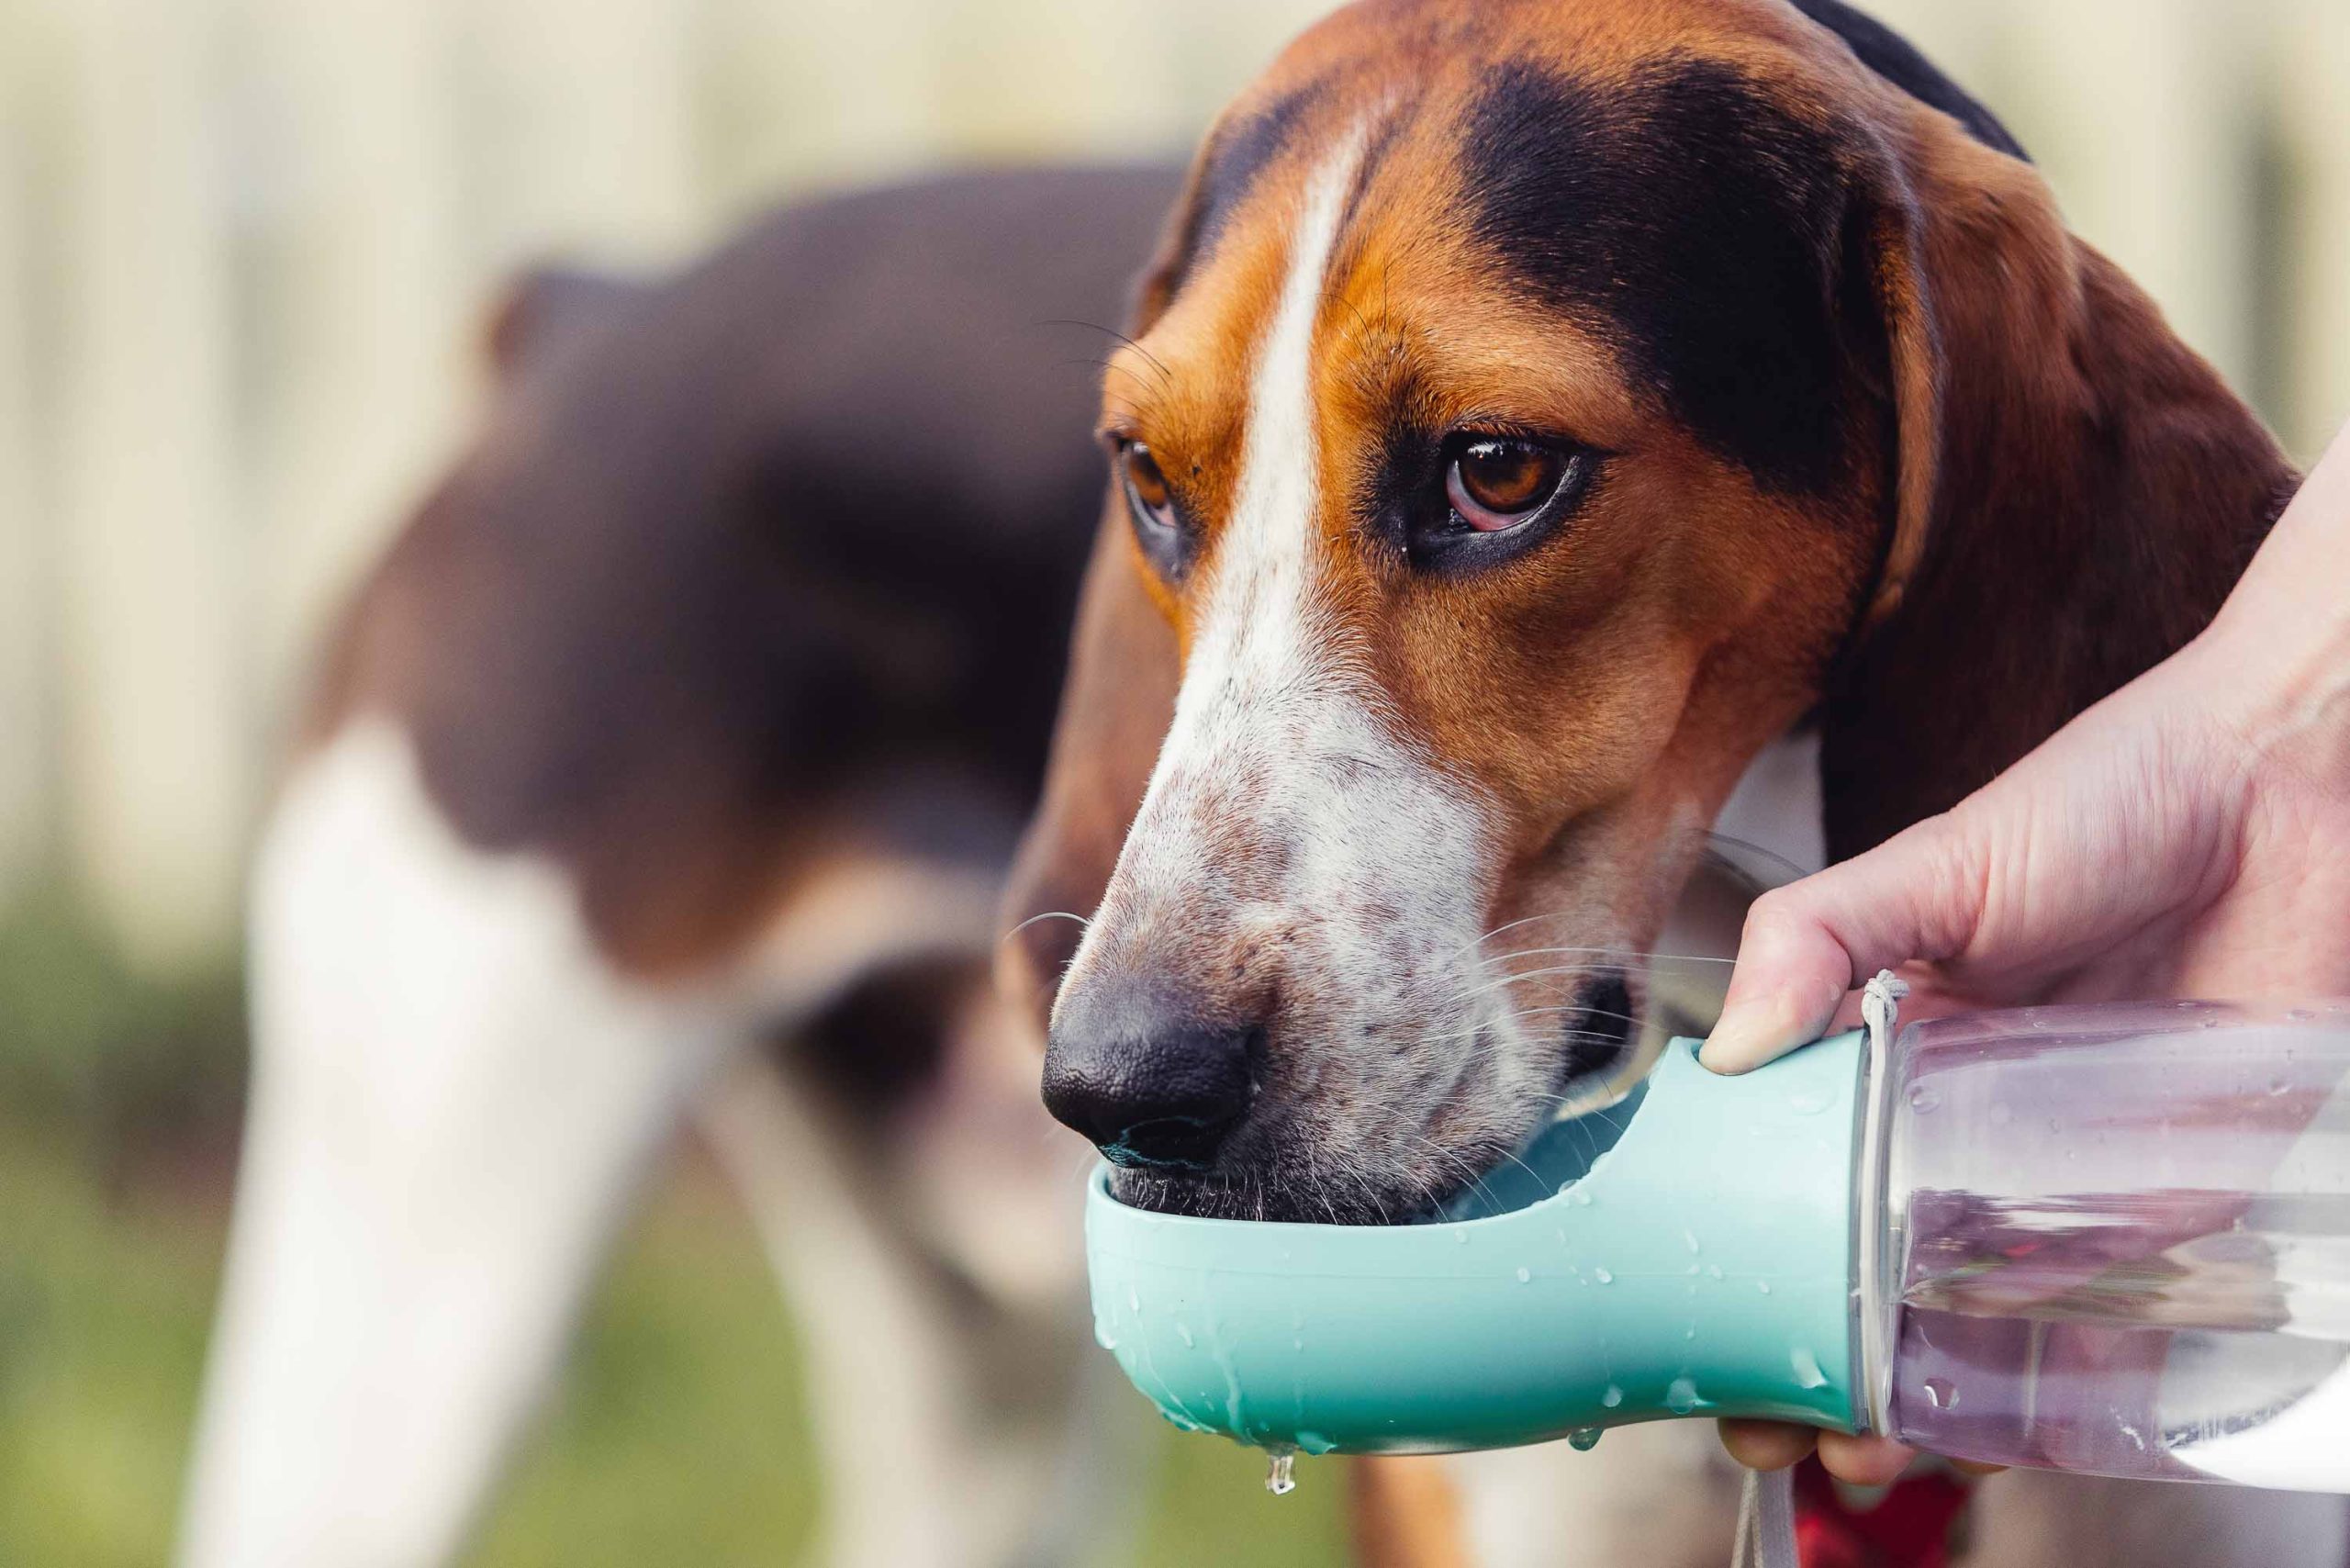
(1743, 1041)
(1753, 1033)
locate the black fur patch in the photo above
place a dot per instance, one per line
(1235, 155)
(1695, 225)
(1897, 60)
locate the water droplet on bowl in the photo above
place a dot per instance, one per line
(1715, 1270)
(1183, 1332)
(1690, 1238)
(1603, 1276)
(1612, 1398)
(1763, 1287)
(1102, 1336)
(1941, 1394)
(1690, 1332)
(1134, 1299)
(1314, 1443)
(1807, 1366)
(1681, 1397)
(1280, 1474)
(1810, 1103)
(1525, 1276)
(2278, 1086)
(1584, 1438)
(1924, 1097)
(1578, 1197)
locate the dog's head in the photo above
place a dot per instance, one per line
(1533, 410)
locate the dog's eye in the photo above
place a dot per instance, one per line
(1498, 482)
(1146, 491)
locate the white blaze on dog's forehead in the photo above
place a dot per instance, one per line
(1282, 737)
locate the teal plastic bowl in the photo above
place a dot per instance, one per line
(1688, 1252)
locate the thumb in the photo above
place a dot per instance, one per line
(1916, 896)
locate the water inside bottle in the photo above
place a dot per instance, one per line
(2153, 1277)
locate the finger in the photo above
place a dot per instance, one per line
(1864, 1461)
(1766, 1445)
(1807, 943)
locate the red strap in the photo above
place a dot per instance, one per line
(1908, 1528)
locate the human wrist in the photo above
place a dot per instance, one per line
(2276, 658)
(2274, 666)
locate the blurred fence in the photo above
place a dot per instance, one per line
(244, 244)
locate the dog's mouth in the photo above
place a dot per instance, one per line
(1306, 1177)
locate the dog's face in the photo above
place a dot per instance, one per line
(1510, 440)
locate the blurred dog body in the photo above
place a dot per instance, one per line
(669, 761)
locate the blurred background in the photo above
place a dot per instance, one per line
(245, 249)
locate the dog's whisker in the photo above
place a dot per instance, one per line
(1505, 981)
(1502, 983)
(1521, 1014)
(1507, 925)
(1082, 923)
(1619, 952)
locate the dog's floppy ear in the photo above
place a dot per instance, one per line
(2071, 491)
(1116, 707)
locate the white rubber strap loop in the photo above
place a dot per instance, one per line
(1766, 1521)
(1881, 1011)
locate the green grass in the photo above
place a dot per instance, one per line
(117, 1062)
(679, 1436)
(101, 1321)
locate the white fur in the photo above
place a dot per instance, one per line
(454, 1100)
(1282, 747)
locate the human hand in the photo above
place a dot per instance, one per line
(2188, 836)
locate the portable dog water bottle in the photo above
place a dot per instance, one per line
(2110, 1239)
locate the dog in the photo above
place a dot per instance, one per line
(666, 766)
(1537, 413)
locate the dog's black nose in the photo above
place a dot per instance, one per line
(1150, 1086)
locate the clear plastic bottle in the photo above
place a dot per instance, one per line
(2116, 1240)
